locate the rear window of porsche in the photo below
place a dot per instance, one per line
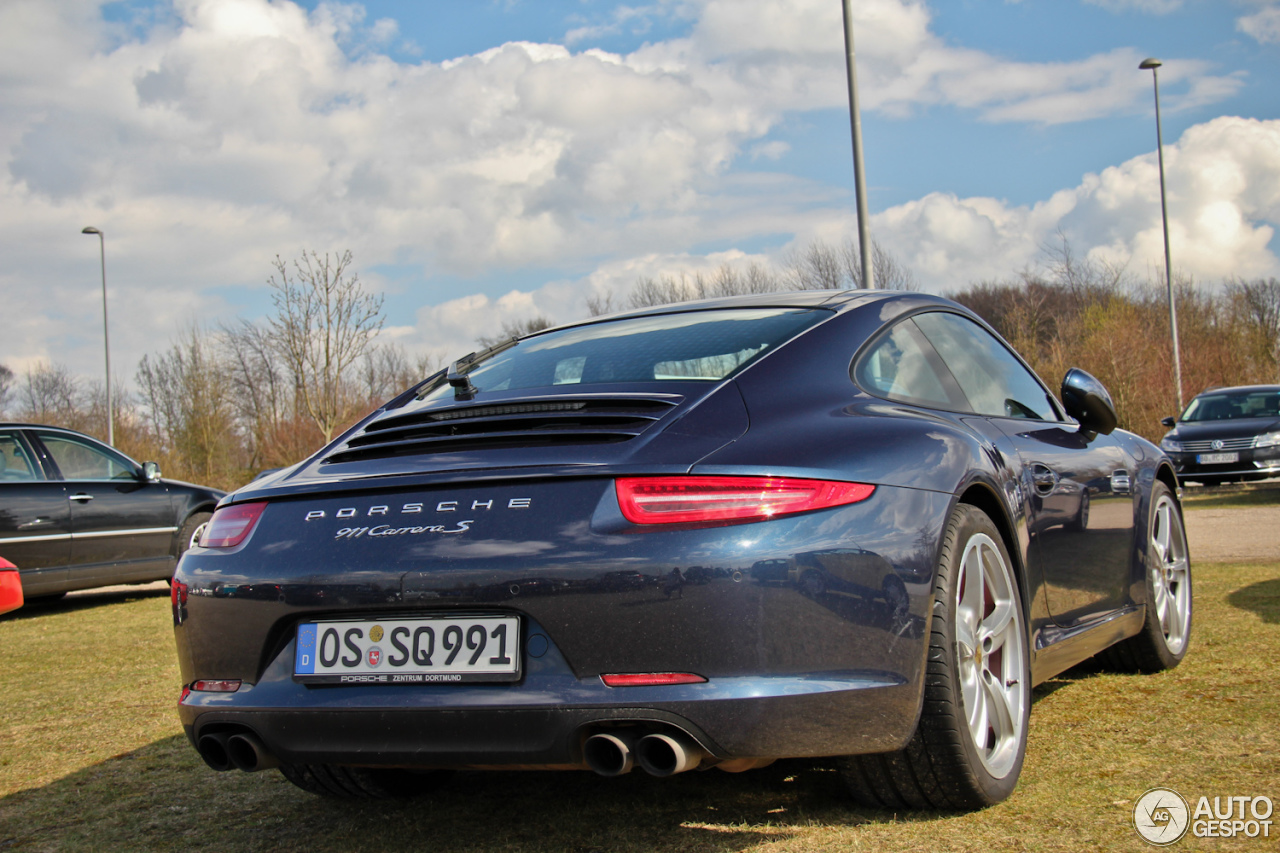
(692, 346)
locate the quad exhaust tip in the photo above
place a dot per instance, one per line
(661, 755)
(224, 751)
(666, 755)
(610, 754)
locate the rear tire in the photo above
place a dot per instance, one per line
(1166, 630)
(363, 783)
(969, 746)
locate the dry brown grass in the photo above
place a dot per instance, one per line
(92, 758)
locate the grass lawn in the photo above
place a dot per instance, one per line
(92, 758)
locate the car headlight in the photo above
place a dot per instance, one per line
(1267, 439)
(1170, 445)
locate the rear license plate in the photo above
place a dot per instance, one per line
(1217, 458)
(433, 650)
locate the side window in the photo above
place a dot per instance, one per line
(902, 366)
(16, 463)
(79, 460)
(993, 379)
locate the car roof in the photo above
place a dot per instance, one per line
(22, 425)
(829, 299)
(1241, 389)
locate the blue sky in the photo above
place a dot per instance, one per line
(493, 159)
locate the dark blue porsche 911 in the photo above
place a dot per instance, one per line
(713, 534)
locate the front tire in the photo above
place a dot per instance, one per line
(1166, 630)
(970, 743)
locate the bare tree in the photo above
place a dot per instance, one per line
(1255, 306)
(889, 273)
(385, 371)
(261, 390)
(189, 396)
(516, 329)
(6, 386)
(51, 395)
(324, 322)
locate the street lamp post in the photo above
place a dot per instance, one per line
(1151, 64)
(859, 179)
(106, 339)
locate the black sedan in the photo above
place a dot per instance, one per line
(715, 534)
(76, 513)
(1227, 434)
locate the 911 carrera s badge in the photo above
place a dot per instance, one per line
(388, 530)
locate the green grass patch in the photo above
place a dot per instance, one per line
(92, 758)
(1226, 497)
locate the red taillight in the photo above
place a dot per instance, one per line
(230, 525)
(644, 679)
(674, 500)
(221, 685)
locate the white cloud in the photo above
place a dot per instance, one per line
(1155, 7)
(1224, 207)
(232, 130)
(1263, 26)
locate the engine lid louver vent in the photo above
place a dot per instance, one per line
(550, 422)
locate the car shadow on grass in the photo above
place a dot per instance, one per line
(1262, 598)
(87, 600)
(162, 797)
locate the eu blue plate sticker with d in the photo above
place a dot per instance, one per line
(305, 662)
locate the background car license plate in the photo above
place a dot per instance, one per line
(1217, 458)
(409, 651)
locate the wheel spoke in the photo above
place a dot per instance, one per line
(991, 656)
(1001, 710)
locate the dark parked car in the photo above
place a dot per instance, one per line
(881, 485)
(1227, 434)
(76, 513)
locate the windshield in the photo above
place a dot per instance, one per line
(1231, 406)
(697, 346)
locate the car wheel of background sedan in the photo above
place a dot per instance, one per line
(191, 530)
(363, 783)
(969, 745)
(1162, 643)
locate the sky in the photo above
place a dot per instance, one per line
(489, 160)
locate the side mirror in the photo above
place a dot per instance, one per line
(1087, 400)
(1170, 422)
(151, 472)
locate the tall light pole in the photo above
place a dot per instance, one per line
(106, 339)
(859, 179)
(1151, 63)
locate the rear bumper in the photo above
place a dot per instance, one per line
(731, 719)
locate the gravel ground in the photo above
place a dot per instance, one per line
(1236, 534)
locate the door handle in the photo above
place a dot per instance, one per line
(82, 497)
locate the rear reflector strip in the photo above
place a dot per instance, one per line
(675, 500)
(229, 685)
(648, 679)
